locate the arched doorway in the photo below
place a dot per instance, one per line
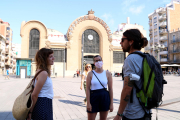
(91, 47)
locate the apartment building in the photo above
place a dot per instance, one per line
(2, 53)
(161, 22)
(7, 32)
(174, 47)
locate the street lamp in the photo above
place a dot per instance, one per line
(157, 48)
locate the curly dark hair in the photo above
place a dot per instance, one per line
(41, 59)
(139, 40)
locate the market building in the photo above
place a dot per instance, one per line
(86, 37)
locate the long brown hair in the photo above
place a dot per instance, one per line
(86, 68)
(41, 59)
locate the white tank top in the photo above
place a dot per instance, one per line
(95, 84)
(47, 89)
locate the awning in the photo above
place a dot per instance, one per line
(170, 65)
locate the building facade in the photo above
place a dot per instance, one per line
(7, 32)
(86, 37)
(162, 22)
(2, 54)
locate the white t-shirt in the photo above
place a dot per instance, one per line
(85, 76)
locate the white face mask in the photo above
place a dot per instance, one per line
(99, 64)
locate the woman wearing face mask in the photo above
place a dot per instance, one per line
(98, 98)
(84, 76)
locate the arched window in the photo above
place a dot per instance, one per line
(91, 41)
(33, 42)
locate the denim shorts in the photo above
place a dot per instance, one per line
(100, 100)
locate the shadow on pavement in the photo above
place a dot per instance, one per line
(114, 100)
(73, 102)
(169, 110)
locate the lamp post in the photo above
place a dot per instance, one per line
(157, 48)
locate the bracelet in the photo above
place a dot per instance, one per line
(119, 114)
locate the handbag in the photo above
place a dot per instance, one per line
(23, 102)
(100, 82)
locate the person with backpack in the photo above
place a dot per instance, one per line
(132, 41)
(99, 99)
(42, 94)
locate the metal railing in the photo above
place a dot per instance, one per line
(162, 17)
(175, 51)
(163, 24)
(163, 38)
(175, 41)
(163, 31)
(174, 61)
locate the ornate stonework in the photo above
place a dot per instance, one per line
(47, 44)
(90, 16)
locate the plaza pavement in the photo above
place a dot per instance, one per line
(68, 98)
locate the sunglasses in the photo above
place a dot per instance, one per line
(97, 60)
(88, 67)
(122, 39)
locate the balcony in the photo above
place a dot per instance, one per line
(150, 22)
(164, 60)
(163, 31)
(175, 41)
(175, 51)
(2, 64)
(7, 57)
(163, 52)
(163, 38)
(7, 42)
(155, 34)
(156, 40)
(151, 41)
(162, 17)
(150, 28)
(163, 24)
(7, 63)
(175, 61)
(7, 50)
(162, 10)
(155, 27)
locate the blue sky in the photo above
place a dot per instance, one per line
(59, 14)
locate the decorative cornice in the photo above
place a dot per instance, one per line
(90, 12)
(90, 16)
(68, 45)
(112, 48)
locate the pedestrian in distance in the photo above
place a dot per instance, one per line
(132, 41)
(42, 94)
(7, 74)
(77, 72)
(88, 68)
(99, 99)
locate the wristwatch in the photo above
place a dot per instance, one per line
(119, 114)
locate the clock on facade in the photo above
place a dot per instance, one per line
(90, 37)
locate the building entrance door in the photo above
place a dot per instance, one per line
(23, 73)
(90, 47)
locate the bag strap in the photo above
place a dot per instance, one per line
(98, 80)
(36, 76)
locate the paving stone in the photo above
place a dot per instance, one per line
(68, 102)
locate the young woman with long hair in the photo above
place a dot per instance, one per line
(43, 91)
(98, 98)
(88, 68)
